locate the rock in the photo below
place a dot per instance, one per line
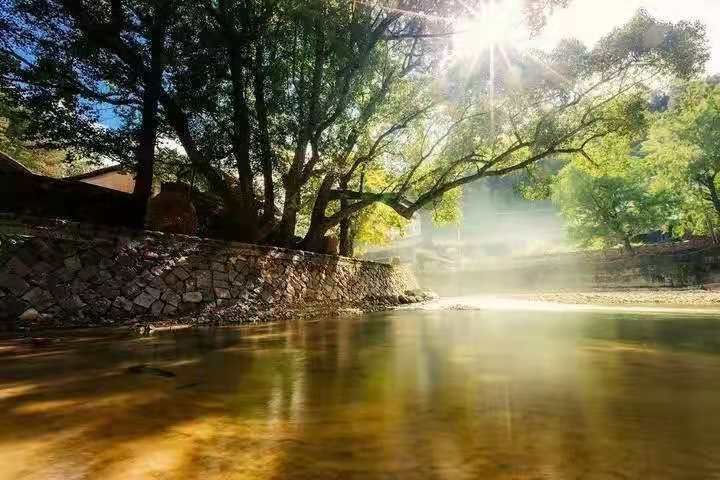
(222, 293)
(72, 303)
(88, 272)
(11, 307)
(170, 309)
(41, 267)
(14, 283)
(104, 276)
(170, 279)
(181, 273)
(144, 300)
(73, 264)
(18, 267)
(109, 290)
(204, 279)
(29, 315)
(125, 260)
(157, 308)
(78, 286)
(123, 304)
(192, 297)
(38, 298)
(171, 297)
(153, 292)
(99, 306)
(157, 271)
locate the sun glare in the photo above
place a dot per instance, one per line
(494, 23)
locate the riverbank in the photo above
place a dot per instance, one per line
(680, 301)
(69, 275)
(694, 297)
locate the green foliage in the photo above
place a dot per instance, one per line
(604, 208)
(377, 225)
(323, 110)
(447, 210)
(683, 154)
(38, 160)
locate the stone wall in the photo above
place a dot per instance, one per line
(64, 274)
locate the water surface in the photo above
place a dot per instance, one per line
(404, 395)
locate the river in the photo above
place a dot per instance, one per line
(499, 393)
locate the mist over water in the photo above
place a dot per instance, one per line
(504, 243)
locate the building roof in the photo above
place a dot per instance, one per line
(10, 165)
(97, 173)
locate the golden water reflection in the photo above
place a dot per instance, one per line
(426, 395)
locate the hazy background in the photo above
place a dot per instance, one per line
(503, 243)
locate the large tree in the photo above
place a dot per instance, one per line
(65, 65)
(506, 115)
(613, 198)
(280, 103)
(683, 150)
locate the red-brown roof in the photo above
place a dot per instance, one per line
(9, 164)
(96, 173)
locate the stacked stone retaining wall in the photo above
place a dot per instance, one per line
(63, 274)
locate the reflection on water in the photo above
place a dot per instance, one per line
(428, 395)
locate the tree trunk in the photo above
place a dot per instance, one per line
(710, 184)
(248, 221)
(347, 242)
(266, 154)
(711, 229)
(217, 182)
(285, 230)
(314, 240)
(145, 154)
(628, 246)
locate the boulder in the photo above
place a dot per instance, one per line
(29, 315)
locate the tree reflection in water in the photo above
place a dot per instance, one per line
(463, 394)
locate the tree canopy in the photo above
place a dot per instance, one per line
(287, 105)
(612, 202)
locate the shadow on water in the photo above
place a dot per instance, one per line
(429, 395)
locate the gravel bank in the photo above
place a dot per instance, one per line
(665, 297)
